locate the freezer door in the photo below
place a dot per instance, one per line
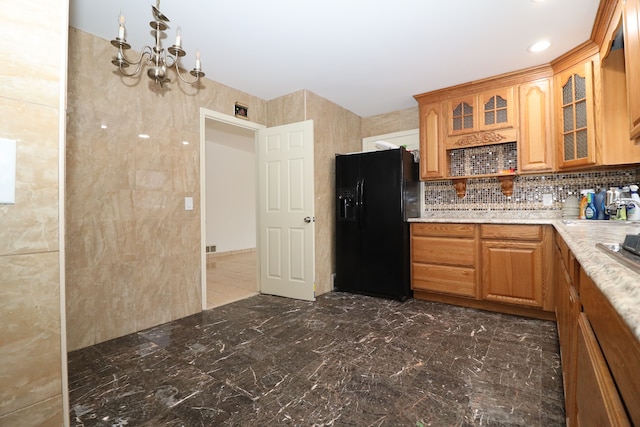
(347, 235)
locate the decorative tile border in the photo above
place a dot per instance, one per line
(485, 194)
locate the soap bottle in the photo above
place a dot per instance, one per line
(590, 209)
(599, 202)
(633, 205)
(583, 204)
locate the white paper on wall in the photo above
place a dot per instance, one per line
(7, 171)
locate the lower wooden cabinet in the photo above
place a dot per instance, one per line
(600, 354)
(444, 258)
(494, 267)
(598, 402)
(568, 309)
(513, 259)
(620, 347)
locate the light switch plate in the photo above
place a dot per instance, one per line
(547, 200)
(188, 203)
(7, 171)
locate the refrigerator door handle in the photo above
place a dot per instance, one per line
(360, 201)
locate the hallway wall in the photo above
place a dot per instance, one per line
(230, 187)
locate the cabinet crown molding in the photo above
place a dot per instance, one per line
(512, 78)
(578, 54)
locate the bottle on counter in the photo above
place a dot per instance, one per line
(583, 204)
(590, 209)
(634, 192)
(633, 204)
(599, 202)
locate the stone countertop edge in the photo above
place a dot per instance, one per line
(618, 283)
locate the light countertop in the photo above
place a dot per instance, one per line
(618, 283)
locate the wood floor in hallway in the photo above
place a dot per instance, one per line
(231, 277)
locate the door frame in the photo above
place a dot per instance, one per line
(206, 114)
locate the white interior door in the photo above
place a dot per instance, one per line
(286, 211)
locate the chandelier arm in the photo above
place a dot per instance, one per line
(146, 50)
(134, 73)
(171, 61)
(182, 78)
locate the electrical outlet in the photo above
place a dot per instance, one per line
(547, 200)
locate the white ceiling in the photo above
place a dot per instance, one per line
(369, 56)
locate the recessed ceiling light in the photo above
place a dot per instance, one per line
(539, 46)
(143, 136)
(185, 142)
(537, 1)
(103, 126)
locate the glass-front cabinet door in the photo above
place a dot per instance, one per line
(496, 109)
(576, 131)
(462, 115)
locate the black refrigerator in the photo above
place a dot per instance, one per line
(375, 194)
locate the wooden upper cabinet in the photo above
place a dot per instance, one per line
(632, 63)
(431, 147)
(575, 116)
(462, 115)
(535, 142)
(496, 109)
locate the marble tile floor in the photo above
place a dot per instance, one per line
(344, 360)
(231, 277)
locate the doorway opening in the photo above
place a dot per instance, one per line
(229, 209)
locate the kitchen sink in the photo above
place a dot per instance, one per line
(620, 254)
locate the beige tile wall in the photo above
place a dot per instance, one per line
(395, 121)
(132, 250)
(30, 342)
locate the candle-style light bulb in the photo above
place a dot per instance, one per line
(121, 27)
(197, 67)
(178, 37)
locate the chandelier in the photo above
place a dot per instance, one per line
(157, 59)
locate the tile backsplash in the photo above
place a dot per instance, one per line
(485, 194)
(484, 160)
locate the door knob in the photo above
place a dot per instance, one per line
(310, 219)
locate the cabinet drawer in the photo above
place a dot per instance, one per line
(511, 232)
(437, 250)
(444, 230)
(444, 279)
